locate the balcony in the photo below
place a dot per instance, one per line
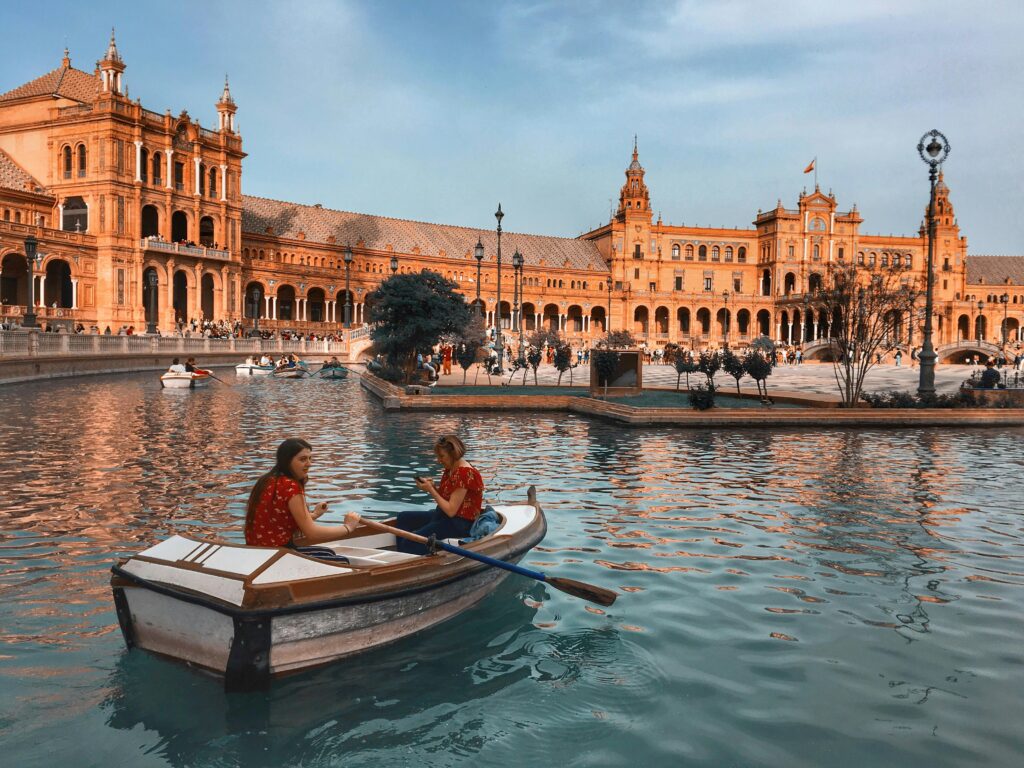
(199, 251)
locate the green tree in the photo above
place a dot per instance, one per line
(683, 364)
(468, 342)
(563, 362)
(733, 365)
(533, 358)
(411, 312)
(708, 363)
(606, 361)
(759, 369)
(618, 340)
(766, 346)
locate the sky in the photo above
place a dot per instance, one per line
(437, 111)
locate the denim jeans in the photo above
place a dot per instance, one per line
(435, 523)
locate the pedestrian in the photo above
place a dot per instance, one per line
(898, 357)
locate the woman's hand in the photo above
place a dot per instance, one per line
(424, 484)
(352, 520)
(318, 510)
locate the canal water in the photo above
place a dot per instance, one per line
(791, 598)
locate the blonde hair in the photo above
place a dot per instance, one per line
(452, 446)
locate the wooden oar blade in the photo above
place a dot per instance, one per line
(582, 590)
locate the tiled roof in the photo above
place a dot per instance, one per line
(13, 176)
(67, 82)
(994, 270)
(378, 232)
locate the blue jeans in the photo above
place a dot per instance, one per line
(433, 523)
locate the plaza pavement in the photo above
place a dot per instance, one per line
(808, 378)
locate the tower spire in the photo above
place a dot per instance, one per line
(226, 108)
(111, 67)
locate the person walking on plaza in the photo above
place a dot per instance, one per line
(898, 357)
(446, 355)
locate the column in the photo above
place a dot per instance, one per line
(170, 168)
(195, 179)
(537, 319)
(815, 329)
(302, 309)
(223, 184)
(74, 294)
(789, 331)
(41, 296)
(266, 310)
(60, 216)
(273, 307)
(138, 161)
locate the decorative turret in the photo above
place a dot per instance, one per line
(226, 109)
(634, 197)
(111, 67)
(944, 214)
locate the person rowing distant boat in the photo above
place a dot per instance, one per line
(177, 367)
(276, 514)
(190, 367)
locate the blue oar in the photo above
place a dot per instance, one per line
(569, 586)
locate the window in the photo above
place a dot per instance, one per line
(689, 253)
(120, 214)
(702, 253)
(737, 284)
(707, 283)
(715, 254)
(679, 282)
(653, 287)
(120, 287)
(213, 182)
(179, 176)
(842, 253)
(817, 252)
(66, 157)
(860, 258)
(119, 152)
(636, 274)
(144, 165)
(885, 259)
(81, 160)
(741, 254)
(17, 217)
(871, 259)
(158, 164)
(636, 252)
(728, 253)
(791, 251)
(675, 253)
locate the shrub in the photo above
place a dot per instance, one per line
(702, 398)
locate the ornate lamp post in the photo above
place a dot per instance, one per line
(977, 325)
(933, 154)
(725, 297)
(256, 298)
(498, 336)
(394, 265)
(517, 290)
(32, 258)
(608, 319)
(348, 291)
(1004, 300)
(152, 280)
(478, 254)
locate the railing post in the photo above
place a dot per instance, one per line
(206, 344)
(65, 345)
(124, 344)
(181, 344)
(231, 343)
(33, 342)
(96, 343)
(154, 344)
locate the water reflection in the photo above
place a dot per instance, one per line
(809, 580)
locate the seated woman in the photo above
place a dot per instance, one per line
(276, 513)
(459, 498)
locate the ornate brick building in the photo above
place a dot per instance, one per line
(141, 213)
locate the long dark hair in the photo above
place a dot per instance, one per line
(286, 451)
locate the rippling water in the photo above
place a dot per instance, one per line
(787, 599)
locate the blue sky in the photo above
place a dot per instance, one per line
(436, 111)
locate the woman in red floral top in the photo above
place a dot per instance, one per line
(459, 498)
(276, 514)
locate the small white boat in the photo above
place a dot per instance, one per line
(333, 372)
(184, 380)
(251, 613)
(252, 369)
(298, 372)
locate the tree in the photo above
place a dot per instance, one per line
(759, 368)
(468, 342)
(733, 365)
(684, 364)
(533, 357)
(411, 312)
(864, 307)
(563, 362)
(708, 363)
(618, 340)
(766, 347)
(606, 361)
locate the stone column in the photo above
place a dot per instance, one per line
(196, 181)
(74, 294)
(60, 216)
(273, 307)
(224, 185)
(266, 310)
(170, 168)
(138, 161)
(41, 296)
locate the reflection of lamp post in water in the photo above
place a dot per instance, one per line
(152, 280)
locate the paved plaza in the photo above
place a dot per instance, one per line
(811, 378)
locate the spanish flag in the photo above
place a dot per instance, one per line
(810, 167)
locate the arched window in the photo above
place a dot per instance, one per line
(872, 258)
(897, 260)
(908, 261)
(817, 251)
(728, 253)
(689, 253)
(76, 215)
(213, 182)
(715, 253)
(206, 231)
(675, 253)
(702, 253)
(150, 221)
(144, 164)
(81, 160)
(860, 258)
(741, 255)
(202, 178)
(66, 160)
(158, 164)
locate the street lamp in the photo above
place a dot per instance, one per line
(725, 296)
(394, 265)
(348, 292)
(517, 283)
(32, 257)
(608, 319)
(1005, 301)
(152, 280)
(478, 254)
(977, 325)
(934, 154)
(498, 333)
(256, 297)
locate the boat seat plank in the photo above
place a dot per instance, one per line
(372, 541)
(366, 556)
(296, 568)
(240, 560)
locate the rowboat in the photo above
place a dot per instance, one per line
(184, 380)
(333, 373)
(251, 369)
(298, 372)
(252, 613)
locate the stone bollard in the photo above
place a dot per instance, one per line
(65, 346)
(33, 342)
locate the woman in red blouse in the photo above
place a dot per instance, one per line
(276, 514)
(459, 498)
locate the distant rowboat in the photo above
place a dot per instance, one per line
(251, 369)
(184, 380)
(298, 372)
(336, 372)
(251, 613)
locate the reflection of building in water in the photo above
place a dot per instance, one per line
(117, 193)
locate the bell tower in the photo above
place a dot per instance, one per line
(634, 198)
(226, 109)
(111, 68)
